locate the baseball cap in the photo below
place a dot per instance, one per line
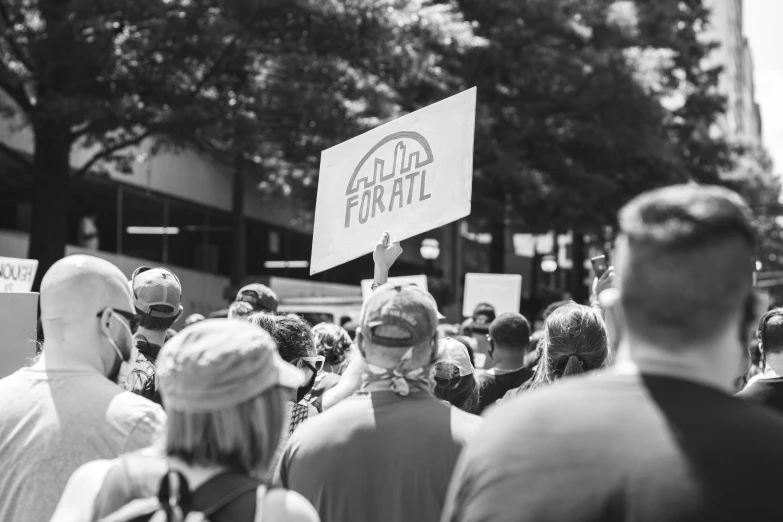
(261, 297)
(156, 287)
(217, 364)
(454, 352)
(483, 315)
(412, 310)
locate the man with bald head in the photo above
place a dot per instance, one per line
(67, 409)
(387, 452)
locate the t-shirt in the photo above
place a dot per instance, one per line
(494, 387)
(621, 447)
(139, 476)
(377, 456)
(52, 422)
(768, 392)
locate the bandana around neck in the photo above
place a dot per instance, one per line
(400, 381)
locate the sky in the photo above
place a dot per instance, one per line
(762, 26)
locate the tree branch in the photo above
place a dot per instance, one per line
(215, 64)
(9, 24)
(107, 152)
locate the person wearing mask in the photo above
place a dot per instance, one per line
(294, 340)
(225, 388)
(68, 409)
(509, 336)
(454, 380)
(386, 453)
(157, 294)
(767, 389)
(658, 436)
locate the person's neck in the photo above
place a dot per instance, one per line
(152, 336)
(508, 359)
(774, 361)
(75, 354)
(702, 363)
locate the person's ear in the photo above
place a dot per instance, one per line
(360, 343)
(105, 322)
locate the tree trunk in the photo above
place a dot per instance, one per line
(580, 291)
(51, 192)
(497, 249)
(239, 237)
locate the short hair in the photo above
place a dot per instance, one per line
(332, 342)
(684, 257)
(156, 324)
(243, 437)
(510, 330)
(770, 331)
(266, 320)
(575, 341)
(294, 337)
(240, 310)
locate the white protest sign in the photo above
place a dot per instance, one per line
(419, 280)
(406, 177)
(16, 275)
(502, 291)
(18, 322)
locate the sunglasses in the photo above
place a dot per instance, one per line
(316, 363)
(131, 318)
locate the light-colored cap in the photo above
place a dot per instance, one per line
(217, 364)
(454, 352)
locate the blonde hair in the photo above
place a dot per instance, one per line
(244, 437)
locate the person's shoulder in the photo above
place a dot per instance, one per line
(129, 403)
(283, 504)
(466, 422)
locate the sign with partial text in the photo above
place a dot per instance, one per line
(406, 177)
(17, 275)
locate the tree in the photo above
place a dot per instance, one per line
(288, 76)
(574, 108)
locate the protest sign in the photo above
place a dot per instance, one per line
(16, 275)
(502, 291)
(18, 324)
(406, 177)
(420, 280)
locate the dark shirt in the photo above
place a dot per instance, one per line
(141, 380)
(494, 387)
(621, 447)
(768, 392)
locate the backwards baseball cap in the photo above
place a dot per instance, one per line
(483, 315)
(156, 287)
(406, 306)
(217, 364)
(261, 297)
(454, 352)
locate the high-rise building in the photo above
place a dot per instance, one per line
(742, 120)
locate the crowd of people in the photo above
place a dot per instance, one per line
(659, 400)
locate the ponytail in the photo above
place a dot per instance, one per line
(574, 366)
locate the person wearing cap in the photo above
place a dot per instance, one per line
(658, 436)
(157, 294)
(477, 327)
(454, 377)
(385, 453)
(67, 409)
(225, 388)
(253, 298)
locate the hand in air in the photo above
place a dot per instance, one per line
(386, 252)
(604, 282)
